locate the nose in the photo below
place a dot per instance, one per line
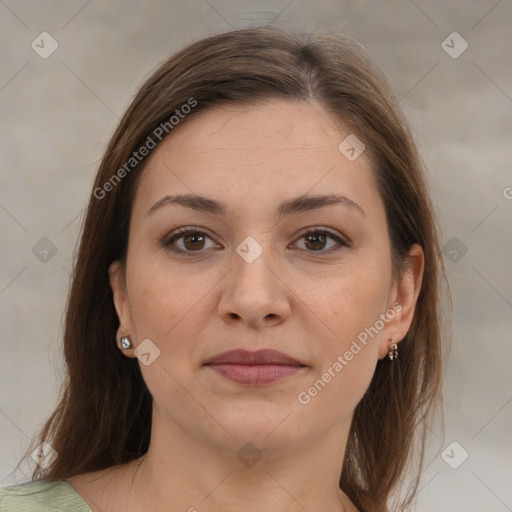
(255, 293)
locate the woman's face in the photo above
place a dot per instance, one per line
(254, 275)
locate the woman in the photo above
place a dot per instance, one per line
(254, 317)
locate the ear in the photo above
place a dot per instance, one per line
(122, 305)
(403, 299)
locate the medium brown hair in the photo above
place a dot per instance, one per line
(104, 415)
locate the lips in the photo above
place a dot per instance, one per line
(245, 357)
(254, 368)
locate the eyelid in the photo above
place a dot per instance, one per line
(341, 240)
(323, 229)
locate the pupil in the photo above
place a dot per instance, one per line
(317, 238)
(195, 237)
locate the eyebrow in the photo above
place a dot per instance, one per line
(301, 204)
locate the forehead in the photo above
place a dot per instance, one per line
(262, 151)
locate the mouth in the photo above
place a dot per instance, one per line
(254, 368)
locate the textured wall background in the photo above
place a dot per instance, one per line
(58, 112)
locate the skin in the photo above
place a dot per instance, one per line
(308, 304)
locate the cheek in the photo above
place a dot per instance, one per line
(352, 304)
(156, 290)
(168, 305)
(352, 301)
(346, 357)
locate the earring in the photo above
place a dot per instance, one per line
(126, 343)
(393, 350)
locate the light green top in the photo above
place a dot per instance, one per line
(42, 496)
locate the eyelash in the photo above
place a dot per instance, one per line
(182, 232)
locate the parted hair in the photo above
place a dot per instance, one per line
(103, 417)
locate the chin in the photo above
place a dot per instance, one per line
(266, 425)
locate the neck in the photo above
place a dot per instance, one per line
(185, 474)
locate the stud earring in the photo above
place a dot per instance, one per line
(126, 343)
(393, 351)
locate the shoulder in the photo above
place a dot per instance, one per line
(40, 495)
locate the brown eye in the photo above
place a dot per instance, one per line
(188, 241)
(317, 241)
(192, 242)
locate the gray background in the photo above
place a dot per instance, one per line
(58, 113)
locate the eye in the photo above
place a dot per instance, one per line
(187, 241)
(316, 240)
